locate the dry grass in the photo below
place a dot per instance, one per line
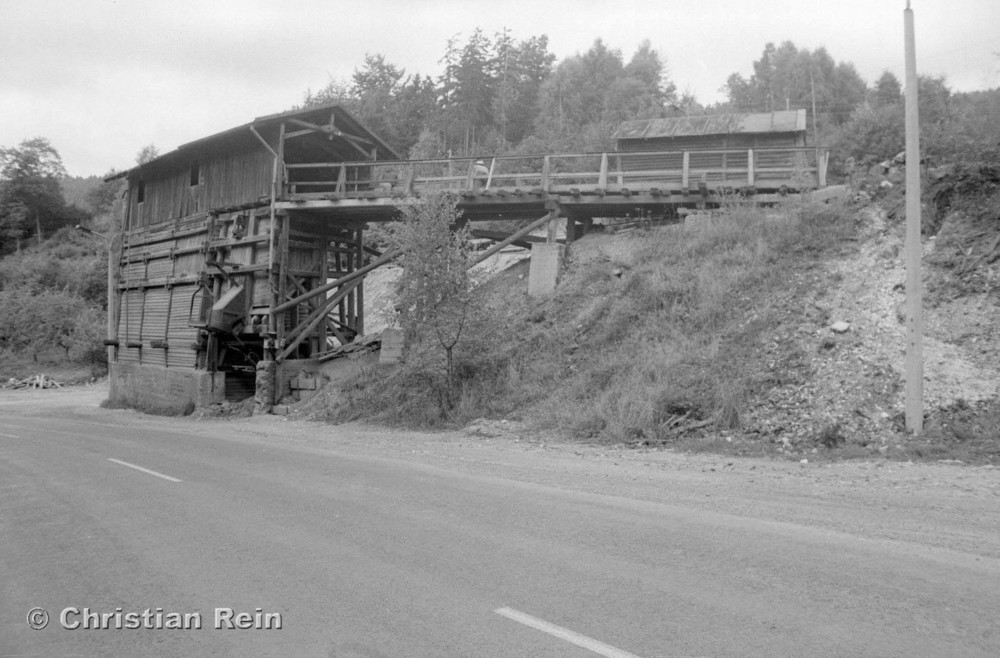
(645, 346)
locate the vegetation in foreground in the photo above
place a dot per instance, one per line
(641, 346)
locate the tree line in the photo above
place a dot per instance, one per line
(498, 94)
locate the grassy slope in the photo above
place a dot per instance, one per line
(715, 338)
(665, 335)
(677, 336)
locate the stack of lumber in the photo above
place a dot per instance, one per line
(35, 381)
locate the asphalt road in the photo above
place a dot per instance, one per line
(366, 555)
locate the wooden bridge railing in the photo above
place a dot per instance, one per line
(667, 171)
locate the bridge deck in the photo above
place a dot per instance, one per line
(587, 185)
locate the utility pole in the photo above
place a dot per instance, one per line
(812, 88)
(914, 292)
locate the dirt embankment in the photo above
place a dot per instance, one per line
(849, 379)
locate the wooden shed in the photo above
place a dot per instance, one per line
(726, 147)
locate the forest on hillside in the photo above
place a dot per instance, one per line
(495, 94)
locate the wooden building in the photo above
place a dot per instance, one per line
(770, 146)
(205, 257)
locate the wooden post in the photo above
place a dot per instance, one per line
(602, 177)
(751, 176)
(285, 221)
(686, 171)
(342, 180)
(272, 243)
(360, 291)
(551, 230)
(517, 235)
(470, 177)
(489, 176)
(914, 292)
(324, 267)
(352, 298)
(114, 262)
(545, 173)
(411, 173)
(342, 266)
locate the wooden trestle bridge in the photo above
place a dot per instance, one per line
(583, 185)
(574, 188)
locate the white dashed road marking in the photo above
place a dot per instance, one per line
(144, 470)
(564, 634)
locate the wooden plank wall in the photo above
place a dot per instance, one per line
(162, 265)
(224, 181)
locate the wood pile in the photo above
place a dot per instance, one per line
(35, 381)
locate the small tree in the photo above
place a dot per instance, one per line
(435, 296)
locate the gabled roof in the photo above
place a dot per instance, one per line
(341, 133)
(784, 121)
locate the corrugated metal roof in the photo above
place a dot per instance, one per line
(714, 124)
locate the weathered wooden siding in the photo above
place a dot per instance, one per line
(180, 335)
(665, 155)
(223, 181)
(161, 270)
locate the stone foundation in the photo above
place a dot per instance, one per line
(155, 389)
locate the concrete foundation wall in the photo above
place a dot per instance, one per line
(543, 272)
(164, 390)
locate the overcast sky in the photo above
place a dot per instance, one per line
(103, 78)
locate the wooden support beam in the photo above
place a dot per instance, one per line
(286, 221)
(276, 193)
(386, 258)
(301, 288)
(333, 327)
(360, 292)
(324, 273)
(331, 130)
(304, 329)
(489, 176)
(498, 236)
(552, 214)
(323, 308)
